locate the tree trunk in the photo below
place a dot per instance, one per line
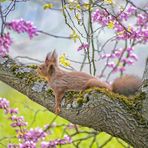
(126, 118)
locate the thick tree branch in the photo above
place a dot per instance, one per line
(145, 90)
(99, 109)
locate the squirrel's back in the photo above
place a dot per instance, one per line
(126, 85)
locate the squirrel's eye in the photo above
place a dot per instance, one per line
(40, 68)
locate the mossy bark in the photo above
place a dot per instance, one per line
(144, 89)
(99, 109)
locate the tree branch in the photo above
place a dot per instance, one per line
(145, 90)
(99, 109)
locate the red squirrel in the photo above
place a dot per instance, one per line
(62, 81)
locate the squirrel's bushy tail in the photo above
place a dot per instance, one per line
(126, 85)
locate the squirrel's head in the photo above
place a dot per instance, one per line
(47, 69)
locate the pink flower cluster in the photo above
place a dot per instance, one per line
(142, 20)
(27, 144)
(53, 144)
(130, 10)
(101, 17)
(28, 138)
(4, 103)
(83, 46)
(21, 26)
(137, 31)
(127, 57)
(34, 135)
(18, 121)
(5, 43)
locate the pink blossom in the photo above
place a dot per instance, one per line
(129, 49)
(5, 43)
(29, 138)
(115, 69)
(56, 142)
(142, 35)
(111, 64)
(118, 27)
(103, 56)
(4, 103)
(13, 111)
(83, 46)
(18, 121)
(122, 69)
(117, 53)
(21, 26)
(28, 144)
(34, 135)
(10, 145)
(67, 139)
(124, 32)
(45, 144)
(112, 55)
(102, 17)
(16, 118)
(128, 61)
(124, 16)
(131, 10)
(139, 33)
(19, 124)
(133, 56)
(142, 20)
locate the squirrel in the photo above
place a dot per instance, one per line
(62, 81)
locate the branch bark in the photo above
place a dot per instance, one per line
(145, 90)
(100, 110)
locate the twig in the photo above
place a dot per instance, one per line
(55, 36)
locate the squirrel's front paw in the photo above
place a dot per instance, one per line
(57, 109)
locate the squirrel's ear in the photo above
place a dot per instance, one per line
(51, 57)
(54, 56)
(51, 69)
(48, 57)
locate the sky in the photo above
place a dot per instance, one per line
(53, 22)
